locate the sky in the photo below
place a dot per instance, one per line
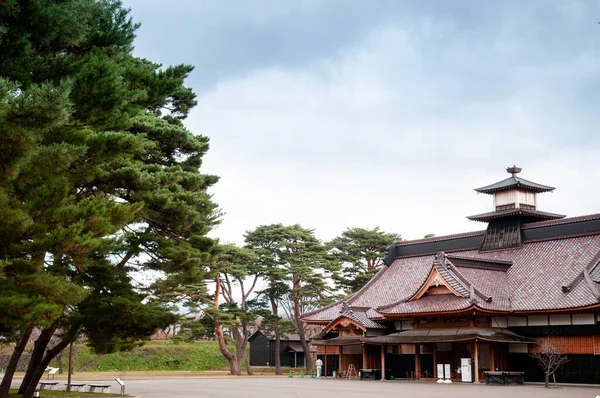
(344, 113)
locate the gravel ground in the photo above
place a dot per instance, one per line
(145, 386)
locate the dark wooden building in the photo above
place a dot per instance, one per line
(262, 350)
(483, 300)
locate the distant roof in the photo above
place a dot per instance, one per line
(284, 336)
(297, 347)
(515, 182)
(537, 214)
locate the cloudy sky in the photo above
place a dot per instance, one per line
(344, 113)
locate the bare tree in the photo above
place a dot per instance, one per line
(550, 356)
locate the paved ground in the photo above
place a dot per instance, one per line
(266, 387)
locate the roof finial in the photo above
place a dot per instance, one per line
(513, 170)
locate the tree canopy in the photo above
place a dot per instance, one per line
(360, 251)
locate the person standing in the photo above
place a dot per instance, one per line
(319, 365)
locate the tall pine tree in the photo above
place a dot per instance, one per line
(294, 256)
(98, 178)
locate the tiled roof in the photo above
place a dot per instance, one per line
(359, 317)
(568, 220)
(515, 182)
(484, 217)
(439, 238)
(284, 337)
(328, 312)
(479, 260)
(450, 335)
(532, 283)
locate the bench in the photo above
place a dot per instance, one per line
(49, 384)
(102, 386)
(76, 385)
(504, 378)
(370, 374)
(122, 384)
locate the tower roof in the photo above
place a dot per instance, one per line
(513, 182)
(533, 214)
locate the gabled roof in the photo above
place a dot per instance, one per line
(466, 293)
(514, 182)
(445, 273)
(356, 316)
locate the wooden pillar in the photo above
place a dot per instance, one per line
(325, 367)
(417, 361)
(476, 370)
(492, 357)
(364, 361)
(435, 375)
(382, 362)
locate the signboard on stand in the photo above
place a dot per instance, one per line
(440, 372)
(447, 373)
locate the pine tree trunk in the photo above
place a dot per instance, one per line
(234, 367)
(39, 372)
(274, 310)
(37, 356)
(13, 363)
(278, 351)
(241, 347)
(248, 367)
(231, 358)
(300, 327)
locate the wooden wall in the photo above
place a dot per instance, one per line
(499, 357)
(569, 344)
(347, 359)
(330, 349)
(373, 357)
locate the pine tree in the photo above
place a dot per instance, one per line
(360, 251)
(95, 165)
(297, 258)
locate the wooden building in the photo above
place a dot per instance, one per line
(262, 350)
(491, 295)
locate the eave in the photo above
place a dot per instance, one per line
(540, 215)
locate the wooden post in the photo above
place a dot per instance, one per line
(492, 358)
(325, 367)
(435, 375)
(476, 370)
(382, 362)
(364, 362)
(417, 361)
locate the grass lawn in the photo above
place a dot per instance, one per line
(153, 356)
